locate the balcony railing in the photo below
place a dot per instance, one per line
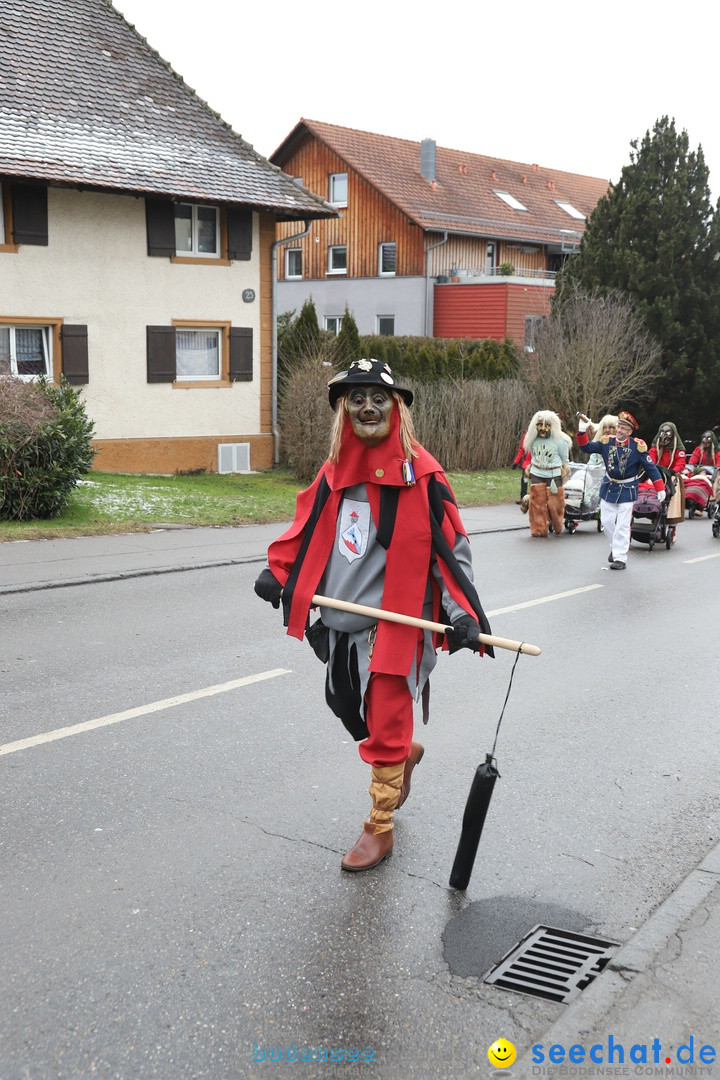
(463, 273)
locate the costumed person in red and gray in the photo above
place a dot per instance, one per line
(625, 458)
(707, 453)
(379, 526)
(668, 452)
(549, 468)
(667, 449)
(702, 466)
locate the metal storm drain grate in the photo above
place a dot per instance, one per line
(553, 964)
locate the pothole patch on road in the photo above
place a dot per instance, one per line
(486, 930)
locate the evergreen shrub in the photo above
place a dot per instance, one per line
(423, 359)
(45, 447)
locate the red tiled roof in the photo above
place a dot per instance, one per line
(462, 199)
(84, 100)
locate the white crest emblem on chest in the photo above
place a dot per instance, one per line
(354, 530)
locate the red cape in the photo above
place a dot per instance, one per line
(427, 521)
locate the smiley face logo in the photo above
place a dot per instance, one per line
(501, 1054)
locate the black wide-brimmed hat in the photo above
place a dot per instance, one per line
(366, 373)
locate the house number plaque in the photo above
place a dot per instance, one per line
(248, 295)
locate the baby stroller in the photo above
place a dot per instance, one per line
(699, 492)
(650, 515)
(582, 495)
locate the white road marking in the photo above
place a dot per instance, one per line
(142, 710)
(544, 599)
(221, 688)
(702, 558)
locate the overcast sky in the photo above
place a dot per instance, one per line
(566, 84)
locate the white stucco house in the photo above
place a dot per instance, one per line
(136, 243)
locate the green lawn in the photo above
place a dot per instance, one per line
(114, 502)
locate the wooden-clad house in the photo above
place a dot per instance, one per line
(430, 241)
(136, 240)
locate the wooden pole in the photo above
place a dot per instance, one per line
(422, 624)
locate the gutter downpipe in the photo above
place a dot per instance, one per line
(273, 315)
(427, 279)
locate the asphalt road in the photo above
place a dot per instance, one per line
(172, 904)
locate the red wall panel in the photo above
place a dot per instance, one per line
(482, 311)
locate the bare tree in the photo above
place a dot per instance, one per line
(593, 355)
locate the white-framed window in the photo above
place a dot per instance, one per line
(570, 209)
(197, 353)
(532, 322)
(510, 200)
(337, 259)
(386, 325)
(197, 230)
(293, 263)
(386, 259)
(338, 188)
(2, 216)
(26, 351)
(491, 257)
(333, 323)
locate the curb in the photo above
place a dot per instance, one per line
(122, 575)
(587, 1011)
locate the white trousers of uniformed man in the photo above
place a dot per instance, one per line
(616, 521)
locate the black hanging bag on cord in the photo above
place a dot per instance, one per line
(476, 808)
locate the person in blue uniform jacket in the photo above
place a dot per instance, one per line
(625, 459)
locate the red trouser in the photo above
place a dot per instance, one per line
(389, 717)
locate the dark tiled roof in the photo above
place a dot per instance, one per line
(462, 200)
(84, 100)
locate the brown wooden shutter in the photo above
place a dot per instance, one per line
(160, 222)
(75, 366)
(29, 214)
(241, 354)
(239, 222)
(160, 354)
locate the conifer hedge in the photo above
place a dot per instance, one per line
(434, 359)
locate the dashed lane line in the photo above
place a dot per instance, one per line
(141, 710)
(544, 599)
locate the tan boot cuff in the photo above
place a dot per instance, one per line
(379, 821)
(385, 791)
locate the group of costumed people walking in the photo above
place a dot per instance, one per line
(379, 531)
(631, 472)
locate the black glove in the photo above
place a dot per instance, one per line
(464, 634)
(269, 588)
(516, 465)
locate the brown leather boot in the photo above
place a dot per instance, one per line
(376, 840)
(371, 848)
(414, 758)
